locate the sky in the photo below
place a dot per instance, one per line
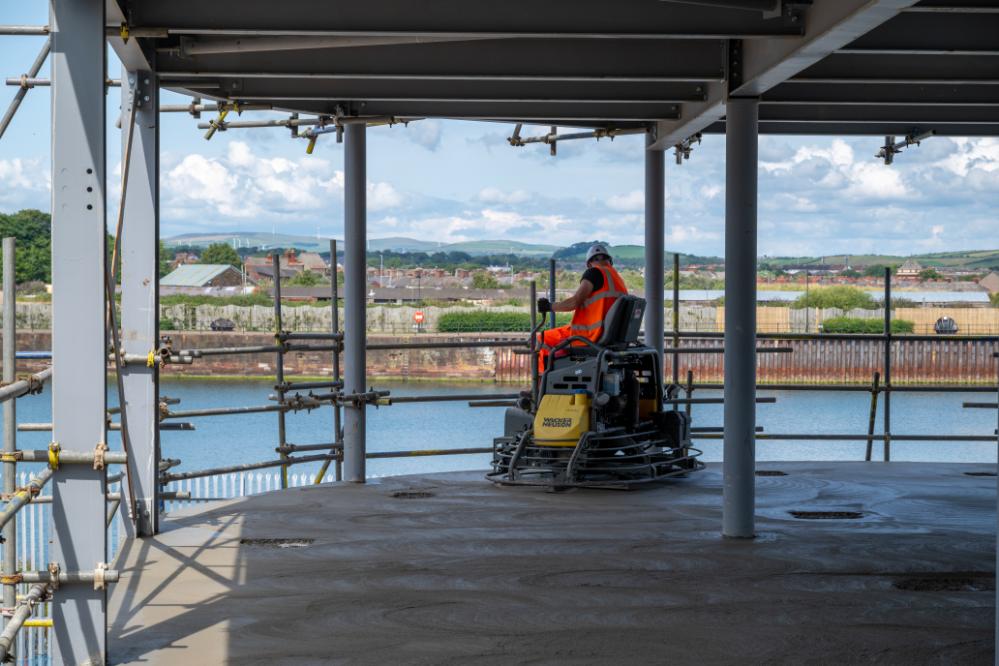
(452, 181)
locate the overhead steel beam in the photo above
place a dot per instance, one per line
(849, 68)
(368, 90)
(509, 59)
(873, 129)
(917, 115)
(397, 17)
(891, 94)
(79, 343)
(130, 52)
(640, 112)
(762, 65)
(938, 32)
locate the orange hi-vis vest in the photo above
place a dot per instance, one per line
(588, 320)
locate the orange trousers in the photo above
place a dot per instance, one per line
(548, 339)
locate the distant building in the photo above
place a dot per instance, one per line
(402, 295)
(203, 275)
(291, 263)
(990, 282)
(910, 269)
(184, 258)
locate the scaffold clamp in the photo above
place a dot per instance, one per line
(99, 571)
(99, 452)
(13, 579)
(54, 450)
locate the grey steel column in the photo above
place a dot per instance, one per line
(741, 133)
(355, 288)
(9, 416)
(655, 246)
(139, 293)
(79, 343)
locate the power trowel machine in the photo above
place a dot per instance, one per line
(598, 419)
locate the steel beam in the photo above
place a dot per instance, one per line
(9, 414)
(762, 65)
(79, 345)
(901, 69)
(597, 59)
(386, 18)
(355, 295)
(139, 293)
(655, 247)
(739, 458)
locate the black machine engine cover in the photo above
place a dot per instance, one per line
(675, 426)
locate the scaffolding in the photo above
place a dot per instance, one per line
(688, 71)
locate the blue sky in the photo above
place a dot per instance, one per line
(452, 181)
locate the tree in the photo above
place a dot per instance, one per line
(876, 270)
(166, 257)
(840, 296)
(33, 231)
(220, 253)
(306, 278)
(483, 280)
(929, 274)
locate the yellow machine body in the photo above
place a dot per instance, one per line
(562, 419)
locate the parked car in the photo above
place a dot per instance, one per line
(223, 324)
(945, 326)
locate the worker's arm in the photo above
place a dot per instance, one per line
(575, 301)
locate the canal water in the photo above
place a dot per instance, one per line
(227, 440)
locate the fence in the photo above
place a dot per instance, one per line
(399, 319)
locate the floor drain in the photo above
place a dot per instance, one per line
(277, 543)
(979, 473)
(827, 515)
(412, 494)
(947, 582)
(770, 472)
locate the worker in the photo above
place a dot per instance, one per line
(599, 287)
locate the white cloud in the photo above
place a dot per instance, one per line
(633, 201)
(243, 185)
(496, 195)
(24, 184)
(425, 133)
(382, 196)
(711, 191)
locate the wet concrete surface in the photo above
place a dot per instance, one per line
(448, 569)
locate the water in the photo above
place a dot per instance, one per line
(227, 440)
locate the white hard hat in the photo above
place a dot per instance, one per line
(595, 249)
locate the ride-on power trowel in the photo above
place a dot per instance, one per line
(598, 419)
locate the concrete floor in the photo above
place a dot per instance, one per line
(447, 569)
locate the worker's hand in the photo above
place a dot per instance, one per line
(544, 305)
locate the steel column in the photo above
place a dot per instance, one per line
(655, 242)
(741, 133)
(355, 293)
(79, 337)
(139, 293)
(9, 415)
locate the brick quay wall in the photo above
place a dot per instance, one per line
(940, 361)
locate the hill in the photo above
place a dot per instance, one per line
(265, 241)
(968, 259)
